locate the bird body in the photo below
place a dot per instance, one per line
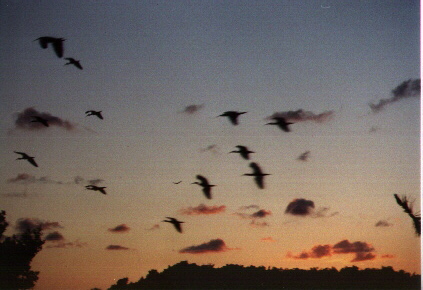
(258, 174)
(243, 151)
(94, 113)
(74, 62)
(204, 183)
(232, 115)
(57, 44)
(96, 188)
(40, 120)
(281, 123)
(175, 222)
(25, 156)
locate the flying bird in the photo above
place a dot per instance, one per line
(243, 151)
(281, 123)
(74, 62)
(26, 157)
(175, 222)
(407, 207)
(232, 115)
(96, 188)
(40, 120)
(94, 113)
(57, 44)
(177, 182)
(204, 183)
(258, 174)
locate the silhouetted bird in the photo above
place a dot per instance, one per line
(96, 188)
(94, 113)
(56, 42)
(204, 183)
(74, 62)
(177, 182)
(232, 115)
(243, 151)
(175, 222)
(408, 208)
(26, 157)
(258, 174)
(281, 123)
(40, 120)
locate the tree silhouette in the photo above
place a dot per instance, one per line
(16, 254)
(184, 275)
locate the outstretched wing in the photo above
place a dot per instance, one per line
(101, 189)
(58, 47)
(32, 161)
(207, 192)
(256, 168)
(260, 181)
(203, 180)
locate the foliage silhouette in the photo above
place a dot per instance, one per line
(16, 254)
(184, 275)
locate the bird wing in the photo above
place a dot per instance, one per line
(21, 153)
(178, 226)
(101, 189)
(207, 192)
(78, 65)
(32, 161)
(284, 127)
(43, 41)
(98, 114)
(234, 119)
(260, 181)
(58, 47)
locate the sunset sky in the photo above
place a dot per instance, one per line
(344, 72)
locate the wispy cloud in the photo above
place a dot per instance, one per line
(383, 223)
(255, 216)
(116, 248)
(268, 239)
(191, 109)
(28, 224)
(25, 178)
(301, 116)
(203, 209)
(211, 148)
(62, 244)
(304, 156)
(154, 227)
(407, 89)
(213, 246)
(23, 120)
(362, 251)
(122, 228)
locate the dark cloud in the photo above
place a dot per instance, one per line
(213, 246)
(261, 213)
(362, 251)
(116, 247)
(123, 228)
(383, 223)
(304, 156)
(25, 224)
(301, 115)
(23, 120)
(300, 206)
(407, 89)
(203, 209)
(191, 109)
(54, 237)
